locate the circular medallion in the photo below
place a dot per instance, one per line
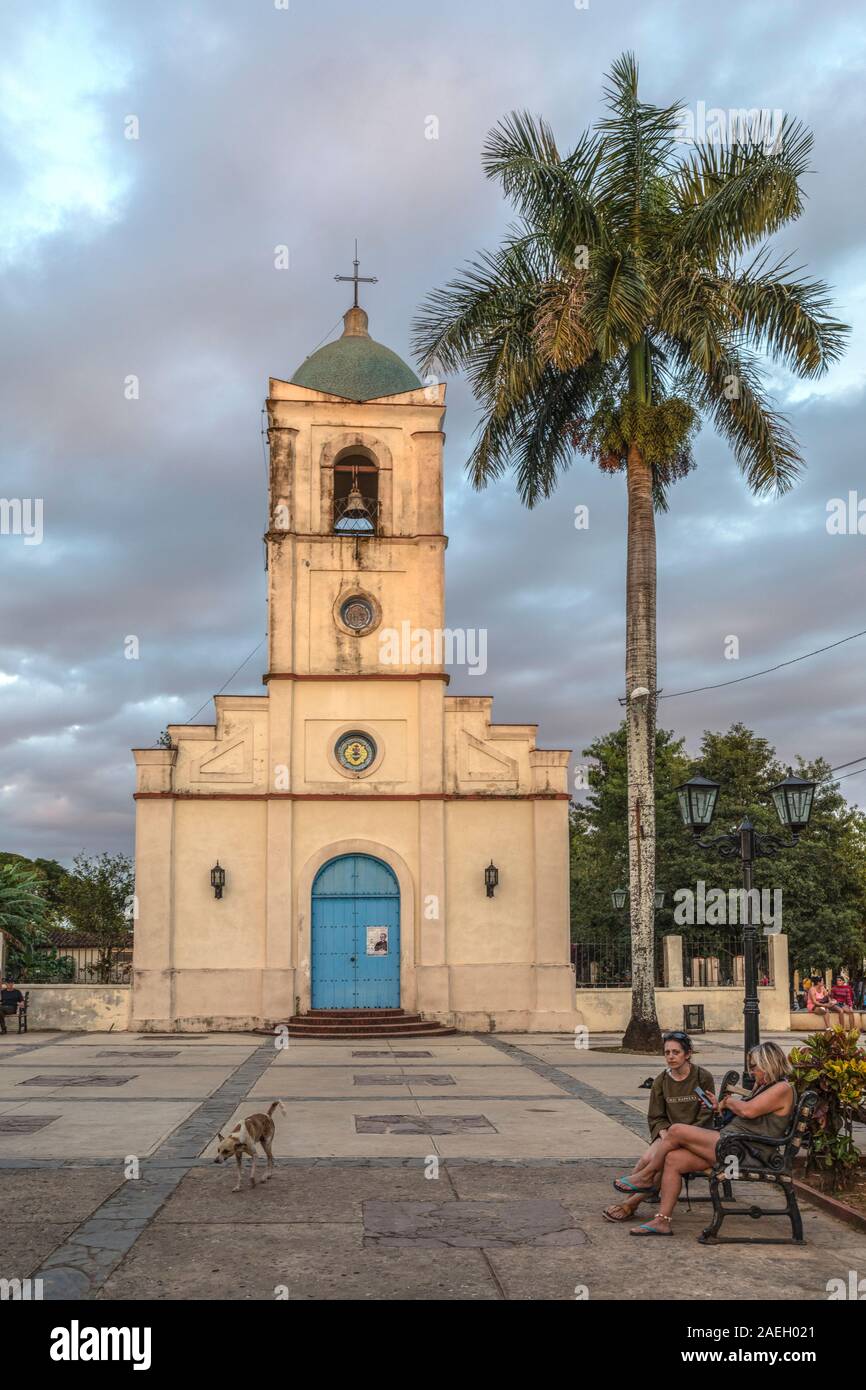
(357, 613)
(355, 751)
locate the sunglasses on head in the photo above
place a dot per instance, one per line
(675, 1037)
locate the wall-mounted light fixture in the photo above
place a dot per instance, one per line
(217, 879)
(491, 878)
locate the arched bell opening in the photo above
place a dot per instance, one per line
(356, 496)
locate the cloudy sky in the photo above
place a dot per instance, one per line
(307, 126)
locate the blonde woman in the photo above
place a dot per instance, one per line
(689, 1148)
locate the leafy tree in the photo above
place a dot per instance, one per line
(48, 871)
(97, 900)
(631, 300)
(23, 907)
(24, 910)
(822, 880)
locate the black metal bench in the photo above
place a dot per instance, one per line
(757, 1158)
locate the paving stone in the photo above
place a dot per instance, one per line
(27, 1243)
(25, 1124)
(299, 1262)
(305, 1191)
(94, 1079)
(421, 1124)
(139, 1055)
(410, 1078)
(469, 1225)
(392, 1054)
(31, 1195)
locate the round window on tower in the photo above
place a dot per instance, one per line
(356, 751)
(358, 614)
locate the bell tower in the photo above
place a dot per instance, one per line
(355, 543)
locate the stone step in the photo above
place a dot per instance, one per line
(356, 1034)
(361, 1014)
(360, 1024)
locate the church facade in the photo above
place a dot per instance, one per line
(354, 837)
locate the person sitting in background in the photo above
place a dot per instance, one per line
(674, 1099)
(844, 997)
(819, 1001)
(11, 1000)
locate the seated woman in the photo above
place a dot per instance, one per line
(843, 995)
(819, 1001)
(673, 1100)
(689, 1148)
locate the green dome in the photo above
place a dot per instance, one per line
(355, 366)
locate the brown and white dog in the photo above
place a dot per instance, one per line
(255, 1129)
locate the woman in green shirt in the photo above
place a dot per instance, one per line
(674, 1099)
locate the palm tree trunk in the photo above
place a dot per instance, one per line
(642, 1033)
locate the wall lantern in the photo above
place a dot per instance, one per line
(660, 899)
(217, 879)
(793, 801)
(697, 799)
(491, 878)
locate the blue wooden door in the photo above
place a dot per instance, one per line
(356, 935)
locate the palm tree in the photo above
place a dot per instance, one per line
(23, 907)
(630, 299)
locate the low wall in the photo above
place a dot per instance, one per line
(77, 1008)
(609, 1010)
(804, 1022)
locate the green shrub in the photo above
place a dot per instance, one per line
(831, 1063)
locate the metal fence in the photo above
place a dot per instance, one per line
(74, 965)
(720, 961)
(607, 964)
(706, 962)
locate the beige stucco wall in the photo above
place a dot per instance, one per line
(608, 1010)
(77, 1008)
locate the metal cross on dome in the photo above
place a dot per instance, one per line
(357, 279)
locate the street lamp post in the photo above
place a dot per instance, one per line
(793, 801)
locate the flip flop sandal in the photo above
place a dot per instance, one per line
(647, 1230)
(623, 1185)
(626, 1215)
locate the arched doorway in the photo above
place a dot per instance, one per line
(355, 919)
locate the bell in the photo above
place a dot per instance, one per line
(356, 508)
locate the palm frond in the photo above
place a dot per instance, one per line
(787, 316)
(636, 148)
(548, 191)
(535, 437)
(619, 301)
(497, 288)
(732, 196)
(732, 394)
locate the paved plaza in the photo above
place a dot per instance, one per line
(471, 1167)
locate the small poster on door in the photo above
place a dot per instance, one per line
(377, 941)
